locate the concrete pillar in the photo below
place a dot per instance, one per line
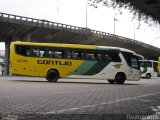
(7, 57)
(27, 37)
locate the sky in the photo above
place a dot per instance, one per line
(74, 12)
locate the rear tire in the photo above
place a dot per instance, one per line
(120, 78)
(52, 76)
(111, 81)
(148, 76)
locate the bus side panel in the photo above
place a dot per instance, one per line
(115, 67)
(23, 66)
(90, 69)
(34, 66)
(64, 66)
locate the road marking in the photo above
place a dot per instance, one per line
(143, 100)
(155, 109)
(103, 103)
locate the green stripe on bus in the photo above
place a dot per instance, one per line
(144, 70)
(98, 67)
(91, 67)
(84, 67)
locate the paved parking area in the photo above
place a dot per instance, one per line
(27, 98)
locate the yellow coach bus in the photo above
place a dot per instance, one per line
(53, 61)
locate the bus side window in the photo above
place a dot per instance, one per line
(38, 52)
(115, 57)
(107, 57)
(90, 55)
(51, 54)
(56, 53)
(69, 54)
(80, 55)
(98, 56)
(59, 54)
(75, 54)
(23, 50)
(148, 63)
(28, 52)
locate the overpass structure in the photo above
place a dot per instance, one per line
(15, 27)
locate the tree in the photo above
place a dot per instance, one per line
(119, 4)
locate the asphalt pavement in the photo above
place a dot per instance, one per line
(33, 98)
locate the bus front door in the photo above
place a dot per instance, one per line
(134, 71)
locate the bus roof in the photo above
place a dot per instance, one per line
(75, 46)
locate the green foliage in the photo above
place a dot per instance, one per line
(119, 4)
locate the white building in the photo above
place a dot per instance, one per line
(2, 53)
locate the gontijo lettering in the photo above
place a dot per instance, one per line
(54, 62)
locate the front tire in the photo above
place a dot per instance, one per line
(148, 76)
(52, 76)
(120, 78)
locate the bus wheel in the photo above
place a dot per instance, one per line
(120, 78)
(52, 76)
(148, 76)
(111, 81)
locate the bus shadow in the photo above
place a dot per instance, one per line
(76, 82)
(58, 82)
(104, 83)
(32, 81)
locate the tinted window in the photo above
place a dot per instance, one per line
(56, 53)
(142, 64)
(131, 60)
(23, 50)
(155, 66)
(98, 55)
(38, 52)
(134, 62)
(127, 57)
(90, 55)
(75, 54)
(115, 57)
(148, 63)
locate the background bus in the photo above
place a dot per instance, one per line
(149, 68)
(55, 61)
